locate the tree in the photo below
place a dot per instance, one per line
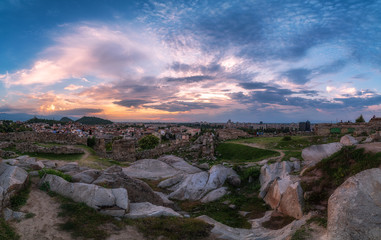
(360, 119)
(148, 142)
(91, 142)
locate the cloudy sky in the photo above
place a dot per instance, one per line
(248, 61)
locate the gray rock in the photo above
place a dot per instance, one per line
(29, 163)
(94, 196)
(274, 171)
(12, 162)
(49, 164)
(354, 210)
(214, 195)
(33, 173)
(171, 181)
(348, 140)
(70, 167)
(138, 191)
(13, 215)
(315, 153)
(204, 166)
(87, 176)
(150, 169)
(179, 164)
(165, 199)
(146, 209)
(12, 179)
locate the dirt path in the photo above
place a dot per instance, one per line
(85, 156)
(45, 224)
(277, 158)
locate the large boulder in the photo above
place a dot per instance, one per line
(179, 164)
(348, 140)
(150, 169)
(273, 171)
(87, 176)
(138, 191)
(146, 209)
(354, 209)
(315, 153)
(12, 179)
(286, 196)
(94, 196)
(195, 186)
(30, 163)
(214, 195)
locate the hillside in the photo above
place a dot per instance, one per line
(66, 119)
(93, 121)
(40, 120)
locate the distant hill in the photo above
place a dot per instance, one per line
(66, 120)
(93, 121)
(41, 120)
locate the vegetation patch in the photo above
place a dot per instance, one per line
(289, 154)
(52, 156)
(7, 232)
(301, 234)
(335, 170)
(20, 199)
(42, 173)
(241, 153)
(171, 227)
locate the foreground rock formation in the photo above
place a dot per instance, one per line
(314, 154)
(354, 209)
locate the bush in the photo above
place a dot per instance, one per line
(360, 119)
(286, 138)
(91, 141)
(148, 142)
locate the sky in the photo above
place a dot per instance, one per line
(187, 61)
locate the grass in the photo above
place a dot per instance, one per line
(301, 234)
(52, 156)
(296, 142)
(240, 153)
(86, 223)
(171, 227)
(95, 161)
(336, 169)
(7, 232)
(42, 172)
(288, 154)
(20, 199)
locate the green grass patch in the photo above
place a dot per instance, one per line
(52, 156)
(42, 173)
(295, 143)
(288, 154)
(30, 215)
(20, 199)
(171, 227)
(7, 232)
(301, 234)
(319, 220)
(241, 153)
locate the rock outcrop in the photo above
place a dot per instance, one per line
(146, 209)
(94, 196)
(12, 179)
(348, 140)
(315, 153)
(354, 209)
(197, 185)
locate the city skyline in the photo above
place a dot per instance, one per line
(189, 61)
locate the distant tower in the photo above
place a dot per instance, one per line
(308, 126)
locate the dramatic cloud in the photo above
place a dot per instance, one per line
(132, 102)
(78, 111)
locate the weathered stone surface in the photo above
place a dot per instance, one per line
(348, 140)
(195, 186)
(13, 215)
(87, 176)
(49, 164)
(286, 196)
(150, 169)
(29, 163)
(12, 162)
(314, 154)
(146, 209)
(165, 199)
(354, 209)
(214, 195)
(179, 164)
(273, 171)
(171, 181)
(192, 187)
(94, 196)
(12, 179)
(70, 167)
(138, 191)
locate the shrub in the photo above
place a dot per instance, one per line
(91, 141)
(7, 232)
(148, 142)
(286, 138)
(360, 119)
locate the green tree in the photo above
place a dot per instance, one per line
(91, 142)
(360, 119)
(148, 142)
